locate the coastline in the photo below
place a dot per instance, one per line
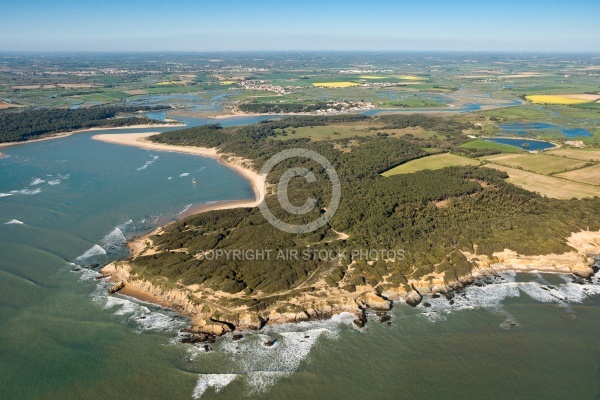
(140, 140)
(99, 128)
(220, 318)
(211, 315)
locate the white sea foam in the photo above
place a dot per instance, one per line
(14, 222)
(261, 366)
(148, 163)
(493, 295)
(184, 174)
(27, 191)
(128, 225)
(184, 209)
(139, 313)
(54, 182)
(95, 251)
(114, 238)
(215, 381)
(87, 275)
(169, 178)
(5, 194)
(37, 181)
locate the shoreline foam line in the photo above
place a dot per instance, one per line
(257, 181)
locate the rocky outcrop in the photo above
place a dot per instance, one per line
(374, 302)
(116, 287)
(414, 298)
(212, 315)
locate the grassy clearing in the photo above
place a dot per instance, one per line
(176, 89)
(324, 132)
(538, 163)
(106, 97)
(589, 175)
(436, 161)
(5, 106)
(549, 186)
(578, 154)
(554, 99)
(486, 144)
(341, 131)
(335, 84)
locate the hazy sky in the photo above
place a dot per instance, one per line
(196, 25)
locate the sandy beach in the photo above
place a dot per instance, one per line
(140, 140)
(100, 128)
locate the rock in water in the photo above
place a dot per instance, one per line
(116, 287)
(414, 298)
(384, 318)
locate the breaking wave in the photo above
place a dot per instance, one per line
(184, 174)
(148, 163)
(261, 366)
(215, 381)
(5, 194)
(37, 181)
(94, 252)
(26, 191)
(14, 222)
(144, 316)
(184, 209)
(493, 291)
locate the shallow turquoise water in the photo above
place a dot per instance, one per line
(62, 337)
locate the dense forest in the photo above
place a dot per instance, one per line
(400, 212)
(31, 124)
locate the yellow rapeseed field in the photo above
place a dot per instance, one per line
(554, 99)
(335, 84)
(410, 77)
(170, 83)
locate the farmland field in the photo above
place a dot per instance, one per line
(579, 154)
(554, 99)
(589, 175)
(335, 84)
(538, 163)
(486, 144)
(436, 161)
(549, 186)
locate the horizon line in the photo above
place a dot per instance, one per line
(310, 51)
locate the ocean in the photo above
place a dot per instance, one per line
(70, 203)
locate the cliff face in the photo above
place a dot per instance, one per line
(213, 312)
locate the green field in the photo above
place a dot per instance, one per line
(538, 163)
(324, 132)
(591, 154)
(436, 161)
(486, 144)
